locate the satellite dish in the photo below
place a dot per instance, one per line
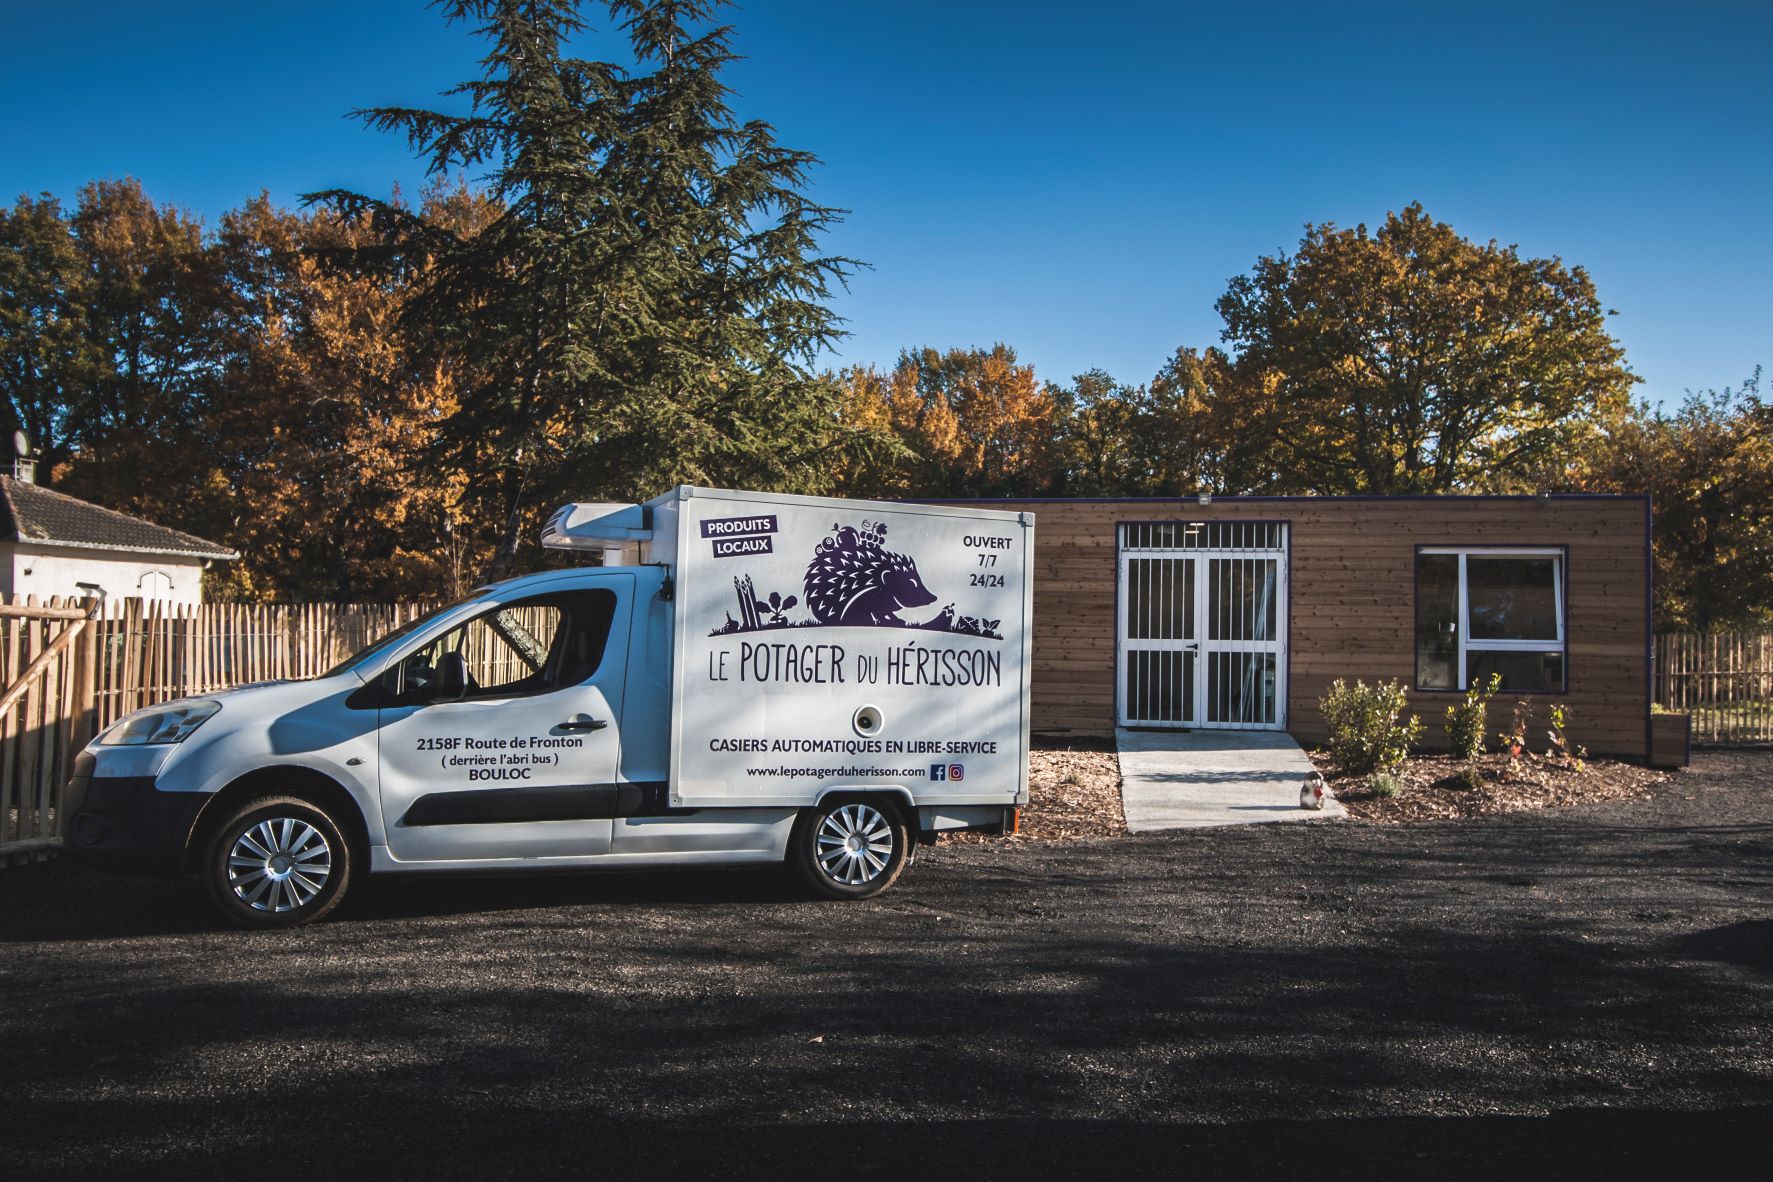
(21, 444)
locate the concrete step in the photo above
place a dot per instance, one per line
(1196, 779)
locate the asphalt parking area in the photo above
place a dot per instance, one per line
(1587, 990)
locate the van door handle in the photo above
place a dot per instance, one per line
(582, 723)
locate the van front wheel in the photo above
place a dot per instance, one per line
(277, 862)
(849, 848)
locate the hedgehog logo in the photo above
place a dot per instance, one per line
(854, 581)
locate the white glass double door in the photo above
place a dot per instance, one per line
(1202, 639)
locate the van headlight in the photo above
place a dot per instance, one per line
(171, 723)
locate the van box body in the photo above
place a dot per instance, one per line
(819, 644)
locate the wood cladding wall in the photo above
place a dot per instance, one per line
(1352, 610)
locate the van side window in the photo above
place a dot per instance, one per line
(525, 647)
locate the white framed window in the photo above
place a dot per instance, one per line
(1491, 609)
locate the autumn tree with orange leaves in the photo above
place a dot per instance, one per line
(230, 384)
(971, 422)
(347, 498)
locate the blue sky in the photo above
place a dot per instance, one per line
(1078, 181)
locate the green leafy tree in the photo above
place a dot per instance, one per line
(1191, 430)
(157, 321)
(1096, 430)
(1412, 360)
(156, 305)
(49, 360)
(646, 305)
(1708, 467)
(112, 326)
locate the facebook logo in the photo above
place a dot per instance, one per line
(938, 771)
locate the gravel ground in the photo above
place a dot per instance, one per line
(1073, 792)
(1583, 992)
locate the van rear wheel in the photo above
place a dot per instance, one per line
(850, 848)
(277, 862)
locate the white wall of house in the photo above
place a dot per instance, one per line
(44, 571)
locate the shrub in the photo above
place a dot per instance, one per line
(1466, 779)
(1560, 740)
(1514, 739)
(1368, 728)
(1466, 721)
(1385, 785)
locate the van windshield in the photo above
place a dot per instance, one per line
(395, 637)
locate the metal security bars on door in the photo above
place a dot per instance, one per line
(1243, 654)
(1160, 640)
(1202, 629)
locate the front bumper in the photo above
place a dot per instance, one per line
(125, 822)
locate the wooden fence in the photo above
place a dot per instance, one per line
(135, 655)
(150, 653)
(1723, 679)
(46, 714)
(64, 676)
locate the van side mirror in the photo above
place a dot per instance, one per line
(452, 678)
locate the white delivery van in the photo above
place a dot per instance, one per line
(746, 678)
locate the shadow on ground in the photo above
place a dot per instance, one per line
(1580, 994)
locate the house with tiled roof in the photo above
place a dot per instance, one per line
(50, 543)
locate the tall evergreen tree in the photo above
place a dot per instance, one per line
(646, 307)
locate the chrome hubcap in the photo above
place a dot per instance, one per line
(855, 843)
(279, 864)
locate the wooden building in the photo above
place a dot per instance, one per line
(1239, 612)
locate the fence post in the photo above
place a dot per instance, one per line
(83, 711)
(12, 814)
(132, 657)
(30, 727)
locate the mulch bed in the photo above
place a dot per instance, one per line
(1073, 792)
(1074, 789)
(1429, 791)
